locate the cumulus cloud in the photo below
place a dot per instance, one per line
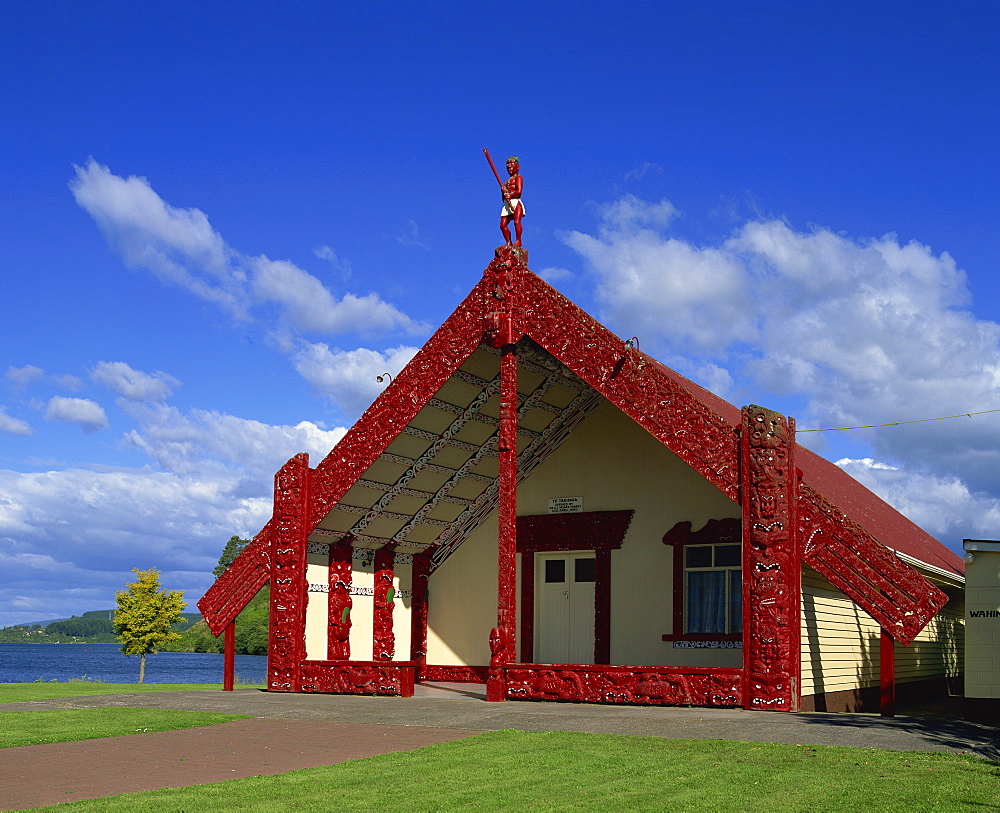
(20, 377)
(855, 331)
(349, 376)
(132, 384)
(181, 247)
(174, 523)
(82, 412)
(199, 442)
(942, 505)
(13, 426)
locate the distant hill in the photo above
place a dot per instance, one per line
(94, 626)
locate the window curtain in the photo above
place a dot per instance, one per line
(706, 601)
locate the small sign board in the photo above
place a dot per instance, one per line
(565, 505)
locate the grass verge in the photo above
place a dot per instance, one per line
(23, 692)
(517, 770)
(66, 725)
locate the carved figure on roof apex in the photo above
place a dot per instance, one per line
(510, 193)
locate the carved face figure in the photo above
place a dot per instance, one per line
(513, 168)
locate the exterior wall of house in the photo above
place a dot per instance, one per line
(982, 654)
(612, 464)
(840, 648)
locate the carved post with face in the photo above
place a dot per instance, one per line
(771, 561)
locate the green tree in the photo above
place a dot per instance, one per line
(233, 549)
(145, 615)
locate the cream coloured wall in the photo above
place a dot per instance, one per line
(613, 464)
(462, 601)
(840, 642)
(362, 575)
(317, 607)
(982, 654)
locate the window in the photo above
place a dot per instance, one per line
(712, 589)
(708, 584)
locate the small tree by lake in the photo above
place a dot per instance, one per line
(145, 615)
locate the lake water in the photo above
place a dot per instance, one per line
(24, 663)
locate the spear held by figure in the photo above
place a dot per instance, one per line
(513, 208)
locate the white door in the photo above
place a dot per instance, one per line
(564, 596)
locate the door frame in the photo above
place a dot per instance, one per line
(599, 531)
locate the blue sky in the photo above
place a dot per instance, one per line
(222, 220)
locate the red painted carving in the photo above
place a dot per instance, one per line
(510, 193)
(286, 642)
(340, 577)
(641, 685)
(359, 677)
(503, 636)
(772, 570)
(635, 383)
(239, 583)
(384, 638)
(418, 614)
(889, 590)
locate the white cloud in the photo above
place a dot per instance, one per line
(310, 307)
(855, 331)
(13, 426)
(20, 377)
(68, 382)
(202, 443)
(82, 412)
(349, 376)
(180, 247)
(133, 384)
(943, 506)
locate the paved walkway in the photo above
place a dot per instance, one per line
(298, 731)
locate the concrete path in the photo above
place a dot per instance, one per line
(339, 724)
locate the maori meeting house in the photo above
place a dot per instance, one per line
(535, 504)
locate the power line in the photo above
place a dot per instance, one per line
(898, 423)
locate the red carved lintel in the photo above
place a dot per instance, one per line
(338, 642)
(503, 636)
(418, 613)
(639, 685)
(772, 566)
(383, 637)
(287, 645)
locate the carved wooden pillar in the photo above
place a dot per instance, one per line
(229, 657)
(338, 639)
(418, 613)
(384, 645)
(771, 561)
(504, 635)
(287, 639)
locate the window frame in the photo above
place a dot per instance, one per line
(715, 533)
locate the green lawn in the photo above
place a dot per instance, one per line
(516, 770)
(36, 727)
(23, 692)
